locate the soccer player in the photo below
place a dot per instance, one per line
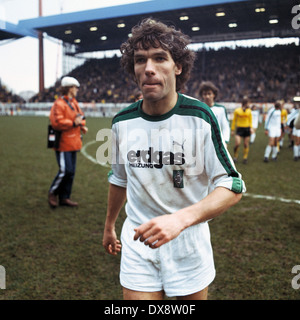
(209, 92)
(297, 121)
(284, 115)
(242, 121)
(273, 130)
(293, 123)
(166, 147)
(255, 120)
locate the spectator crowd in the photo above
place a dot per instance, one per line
(260, 73)
(8, 96)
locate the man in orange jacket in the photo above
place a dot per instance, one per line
(66, 117)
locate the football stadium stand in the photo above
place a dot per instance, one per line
(263, 74)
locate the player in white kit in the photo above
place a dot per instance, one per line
(273, 130)
(255, 120)
(209, 92)
(166, 148)
(294, 121)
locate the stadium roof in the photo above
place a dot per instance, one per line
(11, 31)
(204, 21)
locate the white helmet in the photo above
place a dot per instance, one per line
(69, 82)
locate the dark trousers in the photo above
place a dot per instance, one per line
(62, 183)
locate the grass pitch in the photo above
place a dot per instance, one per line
(58, 254)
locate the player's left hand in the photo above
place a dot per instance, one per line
(159, 230)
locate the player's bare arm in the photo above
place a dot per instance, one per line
(163, 229)
(116, 199)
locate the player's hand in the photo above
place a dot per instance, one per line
(110, 243)
(159, 230)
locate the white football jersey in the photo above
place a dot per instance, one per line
(221, 115)
(273, 119)
(166, 162)
(255, 118)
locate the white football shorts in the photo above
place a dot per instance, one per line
(180, 267)
(274, 132)
(296, 132)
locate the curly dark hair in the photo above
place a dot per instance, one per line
(154, 34)
(206, 86)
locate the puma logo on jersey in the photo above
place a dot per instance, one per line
(179, 144)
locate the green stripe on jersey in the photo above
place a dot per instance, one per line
(271, 115)
(128, 113)
(221, 106)
(206, 114)
(185, 106)
(197, 108)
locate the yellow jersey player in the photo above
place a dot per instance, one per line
(284, 115)
(242, 121)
